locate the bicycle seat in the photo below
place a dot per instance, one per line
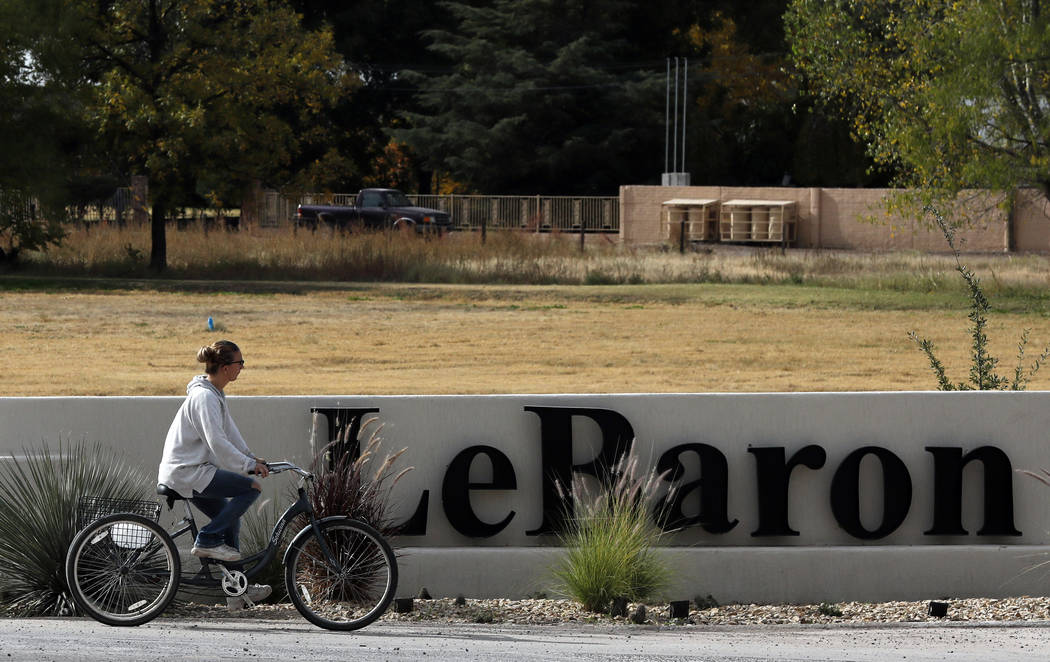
(171, 494)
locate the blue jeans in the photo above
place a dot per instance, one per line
(224, 500)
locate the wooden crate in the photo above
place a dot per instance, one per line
(758, 221)
(699, 215)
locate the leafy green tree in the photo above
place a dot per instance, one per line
(539, 96)
(753, 120)
(41, 134)
(204, 96)
(954, 94)
(748, 125)
(377, 40)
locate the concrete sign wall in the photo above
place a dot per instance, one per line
(773, 492)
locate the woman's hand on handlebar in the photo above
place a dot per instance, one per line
(261, 468)
(278, 466)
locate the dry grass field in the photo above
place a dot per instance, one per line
(312, 316)
(419, 339)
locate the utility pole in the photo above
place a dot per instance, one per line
(674, 172)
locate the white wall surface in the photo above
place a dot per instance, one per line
(731, 565)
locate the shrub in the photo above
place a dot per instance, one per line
(609, 540)
(982, 364)
(38, 518)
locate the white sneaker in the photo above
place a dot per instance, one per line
(252, 594)
(219, 553)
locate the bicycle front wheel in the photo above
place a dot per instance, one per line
(123, 569)
(353, 587)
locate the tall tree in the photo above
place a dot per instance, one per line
(752, 121)
(743, 133)
(378, 40)
(205, 95)
(42, 131)
(540, 96)
(955, 94)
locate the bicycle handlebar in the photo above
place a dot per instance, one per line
(278, 467)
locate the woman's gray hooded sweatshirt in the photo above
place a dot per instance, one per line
(202, 438)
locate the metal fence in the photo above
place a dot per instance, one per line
(16, 205)
(116, 208)
(536, 213)
(533, 213)
(528, 212)
(276, 210)
(279, 210)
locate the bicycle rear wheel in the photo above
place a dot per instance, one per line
(123, 569)
(351, 592)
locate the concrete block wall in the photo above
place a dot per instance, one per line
(640, 206)
(1032, 222)
(853, 219)
(840, 225)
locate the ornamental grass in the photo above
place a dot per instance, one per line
(349, 479)
(609, 539)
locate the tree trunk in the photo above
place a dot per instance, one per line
(158, 259)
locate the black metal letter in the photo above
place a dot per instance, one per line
(896, 493)
(948, 464)
(774, 476)
(713, 485)
(455, 490)
(416, 524)
(344, 424)
(556, 455)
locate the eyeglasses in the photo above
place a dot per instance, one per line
(241, 362)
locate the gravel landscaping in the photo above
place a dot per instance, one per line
(553, 612)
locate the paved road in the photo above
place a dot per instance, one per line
(80, 639)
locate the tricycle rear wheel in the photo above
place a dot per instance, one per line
(123, 569)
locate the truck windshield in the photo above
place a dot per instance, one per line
(398, 199)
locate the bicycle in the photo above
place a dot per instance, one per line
(124, 569)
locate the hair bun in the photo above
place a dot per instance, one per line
(207, 355)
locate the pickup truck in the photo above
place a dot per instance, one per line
(375, 209)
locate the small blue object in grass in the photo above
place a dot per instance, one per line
(211, 324)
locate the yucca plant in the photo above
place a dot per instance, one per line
(347, 482)
(609, 539)
(38, 517)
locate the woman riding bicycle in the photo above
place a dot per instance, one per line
(123, 568)
(206, 459)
